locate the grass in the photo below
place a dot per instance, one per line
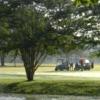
(47, 84)
(96, 67)
(52, 87)
(43, 68)
(22, 70)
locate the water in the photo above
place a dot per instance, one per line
(45, 97)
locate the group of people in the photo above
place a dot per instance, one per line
(82, 64)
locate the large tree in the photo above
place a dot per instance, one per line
(39, 29)
(35, 37)
(31, 36)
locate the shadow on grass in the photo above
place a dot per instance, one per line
(53, 87)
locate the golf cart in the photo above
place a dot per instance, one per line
(62, 66)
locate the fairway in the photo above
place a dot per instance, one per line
(48, 73)
(43, 68)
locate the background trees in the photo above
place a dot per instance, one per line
(4, 32)
(91, 21)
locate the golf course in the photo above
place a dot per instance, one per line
(49, 49)
(47, 81)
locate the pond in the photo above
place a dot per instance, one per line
(45, 97)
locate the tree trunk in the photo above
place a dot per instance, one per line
(27, 57)
(31, 60)
(2, 60)
(29, 73)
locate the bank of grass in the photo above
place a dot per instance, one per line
(52, 87)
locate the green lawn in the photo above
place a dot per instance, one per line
(47, 84)
(58, 87)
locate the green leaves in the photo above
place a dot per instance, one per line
(85, 2)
